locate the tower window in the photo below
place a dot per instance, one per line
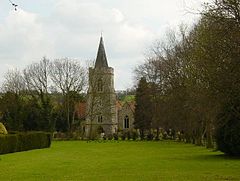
(100, 119)
(99, 85)
(126, 122)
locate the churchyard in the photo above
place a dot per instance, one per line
(119, 160)
(63, 118)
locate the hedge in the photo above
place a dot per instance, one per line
(24, 141)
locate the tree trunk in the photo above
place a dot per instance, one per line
(209, 135)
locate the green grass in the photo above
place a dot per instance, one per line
(76, 160)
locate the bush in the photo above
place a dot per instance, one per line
(110, 137)
(128, 134)
(228, 134)
(24, 141)
(123, 135)
(134, 135)
(8, 143)
(115, 136)
(150, 136)
(3, 129)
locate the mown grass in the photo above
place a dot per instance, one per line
(78, 160)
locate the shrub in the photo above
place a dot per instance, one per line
(164, 135)
(109, 137)
(150, 136)
(8, 143)
(128, 134)
(115, 136)
(3, 129)
(228, 134)
(135, 134)
(228, 138)
(123, 135)
(24, 141)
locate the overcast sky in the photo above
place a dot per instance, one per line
(72, 28)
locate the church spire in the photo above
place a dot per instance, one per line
(101, 60)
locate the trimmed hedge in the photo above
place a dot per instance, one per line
(24, 141)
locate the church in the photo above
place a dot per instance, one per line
(104, 113)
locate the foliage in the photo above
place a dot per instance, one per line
(24, 141)
(11, 105)
(227, 134)
(60, 119)
(25, 113)
(150, 136)
(129, 98)
(115, 136)
(126, 95)
(68, 76)
(194, 77)
(123, 135)
(142, 114)
(3, 129)
(30, 101)
(134, 134)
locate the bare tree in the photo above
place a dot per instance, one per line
(13, 82)
(68, 76)
(37, 78)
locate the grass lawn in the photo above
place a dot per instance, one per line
(78, 160)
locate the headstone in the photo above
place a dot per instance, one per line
(3, 129)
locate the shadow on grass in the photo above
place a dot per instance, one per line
(217, 156)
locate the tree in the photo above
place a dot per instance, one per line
(68, 76)
(12, 99)
(13, 82)
(227, 130)
(163, 70)
(143, 107)
(37, 80)
(197, 76)
(222, 22)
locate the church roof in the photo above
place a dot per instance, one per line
(128, 105)
(101, 60)
(81, 110)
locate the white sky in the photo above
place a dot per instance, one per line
(72, 28)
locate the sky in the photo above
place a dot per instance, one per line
(72, 28)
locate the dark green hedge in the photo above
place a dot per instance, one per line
(228, 130)
(24, 141)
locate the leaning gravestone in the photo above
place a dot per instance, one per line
(3, 129)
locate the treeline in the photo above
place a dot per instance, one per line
(191, 83)
(42, 96)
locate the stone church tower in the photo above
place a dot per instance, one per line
(101, 98)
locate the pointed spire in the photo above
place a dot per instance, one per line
(101, 60)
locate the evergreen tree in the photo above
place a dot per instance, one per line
(143, 115)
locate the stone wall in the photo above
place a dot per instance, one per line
(126, 110)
